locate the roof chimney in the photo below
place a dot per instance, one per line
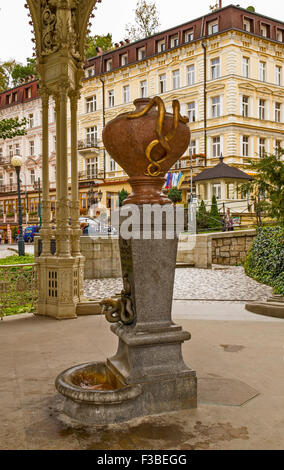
(220, 3)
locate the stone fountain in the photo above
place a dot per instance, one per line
(147, 375)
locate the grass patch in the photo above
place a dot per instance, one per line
(16, 259)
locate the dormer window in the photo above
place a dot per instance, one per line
(279, 35)
(247, 25)
(108, 65)
(174, 40)
(28, 93)
(123, 59)
(90, 72)
(264, 30)
(213, 27)
(161, 46)
(141, 53)
(188, 36)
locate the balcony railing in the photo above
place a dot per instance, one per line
(87, 144)
(91, 175)
(8, 188)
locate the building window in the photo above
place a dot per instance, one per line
(91, 104)
(126, 94)
(278, 75)
(188, 36)
(11, 178)
(144, 89)
(141, 53)
(112, 164)
(17, 149)
(246, 25)
(28, 93)
(246, 67)
(264, 31)
(191, 112)
(111, 98)
(217, 190)
(279, 35)
(261, 149)
(216, 147)
(32, 176)
(92, 167)
(245, 145)
(92, 135)
(215, 68)
(261, 109)
(277, 112)
(262, 71)
(31, 120)
(174, 41)
(161, 46)
(163, 83)
(32, 148)
(11, 152)
(277, 146)
(213, 27)
(191, 75)
(124, 59)
(176, 79)
(90, 72)
(216, 107)
(192, 147)
(245, 106)
(108, 65)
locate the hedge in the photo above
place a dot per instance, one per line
(265, 260)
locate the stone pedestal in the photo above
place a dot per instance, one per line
(149, 351)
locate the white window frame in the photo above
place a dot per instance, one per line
(108, 65)
(175, 41)
(278, 75)
(176, 79)
(92, 135)
(92, 167)
(163, 80)
(191, 74)
(215, 106)
(144, 89)
(261, 109)
(161, 45)
(142, 53)
(215, 68)
(245, 106)
(262, 71)
(32, 147)
(189, 35)
(91, 104)
(191, 108)
(261, 146)
(245, 64)
(216, 146)
(245, 145)
(126, 94)
(111, 98)
(277, 112)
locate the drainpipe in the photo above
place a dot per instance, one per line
(205, 100)
(104, 109)
(204, 87)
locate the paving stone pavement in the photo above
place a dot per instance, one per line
(225, 284)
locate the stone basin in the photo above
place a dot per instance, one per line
(93, 394)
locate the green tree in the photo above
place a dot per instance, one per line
(104, 42)
(122, 195)
(20, 71)
(175, 195)
(202, 220)
(11, 127)
(147, 21)
(267, 186)
(214, 217)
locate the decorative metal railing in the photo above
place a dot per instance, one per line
(18, 289)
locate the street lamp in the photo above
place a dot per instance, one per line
(17, 162)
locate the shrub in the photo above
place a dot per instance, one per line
(122, 195)
(175, 195)
(202, 216)
(215, 217)
(265, 260)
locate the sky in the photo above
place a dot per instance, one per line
(112, 16)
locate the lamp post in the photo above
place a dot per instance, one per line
(17, 162)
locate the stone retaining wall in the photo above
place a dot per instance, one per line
(231, 248)
(225, 248)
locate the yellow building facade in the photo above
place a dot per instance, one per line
(225, 68)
